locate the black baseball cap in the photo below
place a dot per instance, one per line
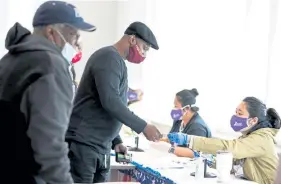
(59, 12)
(140, 30)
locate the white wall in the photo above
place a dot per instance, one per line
(110, 17)
(218, 47)
(226, 49)
(100, 13)
(12, 11)
(222, 48)
(128, 12)
(103, 15)
(3, 13)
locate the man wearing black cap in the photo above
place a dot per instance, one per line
(100, 106)
(36, 94)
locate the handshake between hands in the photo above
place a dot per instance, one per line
(152, 134)
(178, 139)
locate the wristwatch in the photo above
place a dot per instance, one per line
(171, 150)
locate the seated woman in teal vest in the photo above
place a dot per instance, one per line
(186, 117)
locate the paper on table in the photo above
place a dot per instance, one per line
(160, 146)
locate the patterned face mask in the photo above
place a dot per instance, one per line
(176, 114)
(239, 124)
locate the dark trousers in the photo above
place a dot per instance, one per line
(88, 166)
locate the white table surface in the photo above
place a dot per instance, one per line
(119, 166)
(157, 158)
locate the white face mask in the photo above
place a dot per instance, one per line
(68, 50)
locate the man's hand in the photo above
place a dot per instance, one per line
(120, 148)
(178, 138)
(151, 133)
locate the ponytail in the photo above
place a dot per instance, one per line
(273, 117)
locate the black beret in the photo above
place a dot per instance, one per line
(143, 32)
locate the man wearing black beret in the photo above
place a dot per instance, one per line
(100, 106)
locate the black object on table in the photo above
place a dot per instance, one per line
(136, 148)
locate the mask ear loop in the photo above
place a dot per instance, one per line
(248, 122)
(184, 112)
(65, 42)
(131, 38)
(61, 36)
(185, 107)
(138, 48)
